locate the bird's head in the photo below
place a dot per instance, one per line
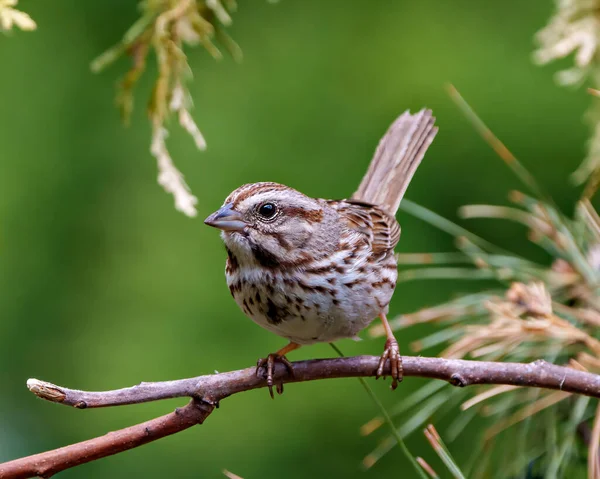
(272, 224)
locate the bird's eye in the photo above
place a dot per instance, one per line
(267, 210)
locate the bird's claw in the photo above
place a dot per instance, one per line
(391, 352)
(269, 364)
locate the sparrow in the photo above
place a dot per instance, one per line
(314, 270)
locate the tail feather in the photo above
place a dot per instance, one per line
(396, 159)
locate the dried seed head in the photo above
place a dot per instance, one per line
(534, 298)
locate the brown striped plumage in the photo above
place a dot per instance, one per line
(314, 270)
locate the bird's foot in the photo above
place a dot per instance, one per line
(391, 352)
(269, 364)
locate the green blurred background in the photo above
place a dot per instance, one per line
(103, 284)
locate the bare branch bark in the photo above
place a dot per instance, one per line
(207, 391)
(48, 463)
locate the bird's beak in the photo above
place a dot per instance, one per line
(226, 219)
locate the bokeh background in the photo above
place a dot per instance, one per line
(103, 284)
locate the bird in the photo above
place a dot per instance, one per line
(315, 270)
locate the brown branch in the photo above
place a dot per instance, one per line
(49, 463)
(207, 391)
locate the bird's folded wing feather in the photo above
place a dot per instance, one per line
(380, 229)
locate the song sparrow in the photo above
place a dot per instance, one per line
(314, 270)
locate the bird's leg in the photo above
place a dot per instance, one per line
(391, 352)
(270, 360)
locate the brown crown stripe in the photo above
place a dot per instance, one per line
(245, 192)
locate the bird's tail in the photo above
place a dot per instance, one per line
(396, 159)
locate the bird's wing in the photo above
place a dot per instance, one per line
(379, 228)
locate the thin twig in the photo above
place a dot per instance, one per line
(207, 391)
(46, 464)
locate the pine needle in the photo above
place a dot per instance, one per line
(501, 150)
(446, 225)
(412, 459)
